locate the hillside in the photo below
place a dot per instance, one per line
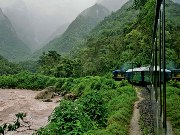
(15, 13)
(8, 67)
(35, 22)
(126, 36)
(77, 31)
(11, 47)
(59, 31)
(105, 42)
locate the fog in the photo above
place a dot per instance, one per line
(113, 5)
(36, 20)
(177, 1)
(69, 8)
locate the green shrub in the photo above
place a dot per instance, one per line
(173, 108)
(110, 94)
(31, 81)
(60, 82)
(68, 85)
(108, 84)
(120, 108)
(26, 80)
(122, 116)
(174, 83)
(96, 85)
(113, 129)
(79, 89)
(117, 129)
(68, 118)
(123, 83)
(94, 106)
(8, 81)
(51, 82)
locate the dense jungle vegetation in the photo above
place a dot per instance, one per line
(126, 36)
(102, 106)
(76, 33)
(173, 107)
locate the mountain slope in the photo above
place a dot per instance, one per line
(77, 31)
(8, 67)
(58, 32)
(11, 47)
(126, 36)
(42, 22)
(15, 13)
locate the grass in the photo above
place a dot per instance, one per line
(173, 108)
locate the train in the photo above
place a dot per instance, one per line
(142, 75)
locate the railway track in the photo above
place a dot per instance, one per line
(149, 120)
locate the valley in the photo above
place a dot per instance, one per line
(68, 52)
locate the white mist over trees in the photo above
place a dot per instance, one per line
(36, 20)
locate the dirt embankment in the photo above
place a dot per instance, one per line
(13, 101)
(134, 124)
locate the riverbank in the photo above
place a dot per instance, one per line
(13, 101)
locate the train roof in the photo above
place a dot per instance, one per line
(145, 69)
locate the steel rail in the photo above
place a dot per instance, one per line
(159, 35)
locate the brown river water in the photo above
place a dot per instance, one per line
(13, 101)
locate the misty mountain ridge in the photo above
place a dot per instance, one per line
(96, 11)
(11, 47)
(77, 31)
(59, 31)
(126, 36)
(36, 21)
(113, 5)
(32, 27)
(19, 16)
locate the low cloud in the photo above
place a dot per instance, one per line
(99, 1)
(44, 16)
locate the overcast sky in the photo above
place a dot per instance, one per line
(45, 16)
(53, 6)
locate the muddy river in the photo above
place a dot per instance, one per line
(13, 101)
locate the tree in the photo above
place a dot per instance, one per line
(139, 4)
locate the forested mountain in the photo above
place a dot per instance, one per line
(11, 47)
(113, 5)
(77, 31)
(105, 43)
(35, 22)
(18, 15)
(8, 67)
(58, 32)
(126, 36)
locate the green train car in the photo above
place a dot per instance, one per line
(175, 74)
